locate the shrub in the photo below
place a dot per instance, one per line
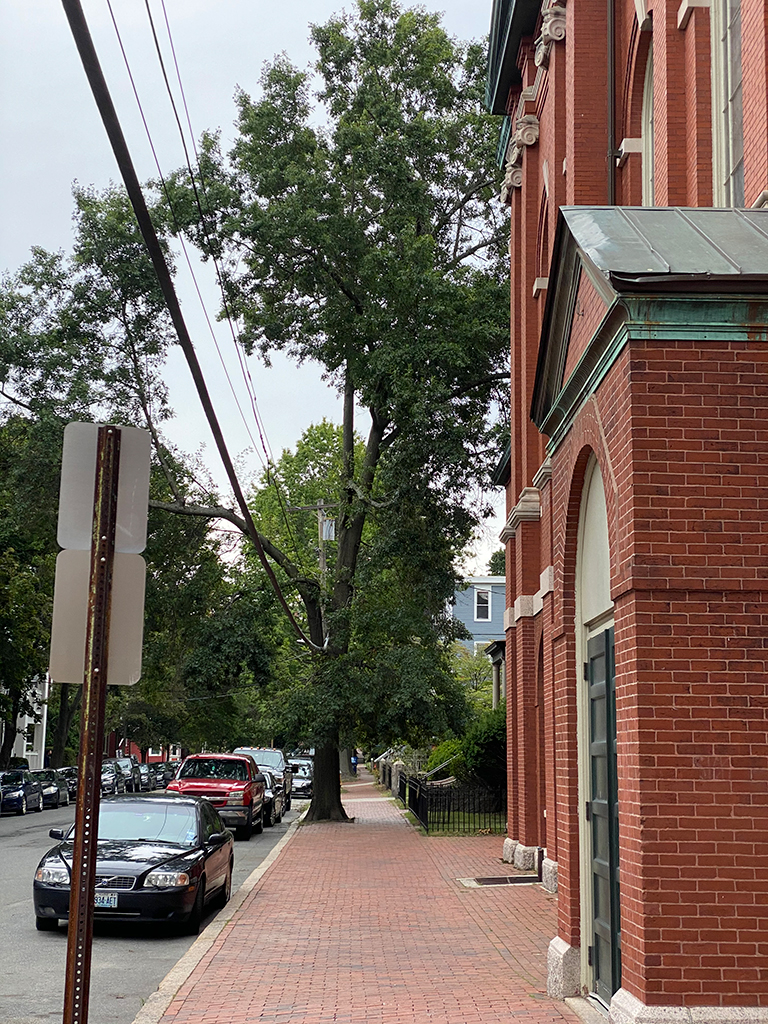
(443, 752)
(485, 751)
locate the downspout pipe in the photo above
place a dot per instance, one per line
(611, 28)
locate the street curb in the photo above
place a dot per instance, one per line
(153, 1009)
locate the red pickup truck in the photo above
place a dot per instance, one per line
(232, 783)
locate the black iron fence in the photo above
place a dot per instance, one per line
(454, 807)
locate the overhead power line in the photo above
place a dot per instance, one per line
(271, 475)
(101, 95)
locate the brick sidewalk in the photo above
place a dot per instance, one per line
(365, 923)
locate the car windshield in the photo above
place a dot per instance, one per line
(108, 769)
(11, 779)
(273, 758)
(46, 775)
(169, 823)
(302, 769)
(214, 768)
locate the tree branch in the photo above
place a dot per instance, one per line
(482, 244)
(16, 401)
(219, 512)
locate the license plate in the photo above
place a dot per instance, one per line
(105, 900)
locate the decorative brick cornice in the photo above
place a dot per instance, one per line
(552, 31)
(527, 510)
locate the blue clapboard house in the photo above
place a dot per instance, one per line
(480, 607)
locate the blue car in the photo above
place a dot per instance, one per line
(19, 792)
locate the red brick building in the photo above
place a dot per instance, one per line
(635, 158)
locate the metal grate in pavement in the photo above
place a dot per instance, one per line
(477, 883)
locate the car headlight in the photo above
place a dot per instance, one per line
(14, 793)
(50, 875)
(237, 796)
(166, 879)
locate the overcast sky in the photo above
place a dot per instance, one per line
(51, 136)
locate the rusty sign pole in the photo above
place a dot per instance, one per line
(81, 895)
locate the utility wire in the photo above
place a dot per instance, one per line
(101, 95)
(272, 477)
(173, 214)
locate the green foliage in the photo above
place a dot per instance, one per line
(485, 750)
(84, 337)
(497, 566)
(450, 751)
(475, 673)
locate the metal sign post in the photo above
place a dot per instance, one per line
(80, 936)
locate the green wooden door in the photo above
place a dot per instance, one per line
(603, 814)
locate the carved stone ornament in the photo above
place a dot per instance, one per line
(527, 133)
(552, 31)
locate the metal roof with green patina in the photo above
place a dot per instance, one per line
(671, 272)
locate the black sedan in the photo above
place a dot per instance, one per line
(19, 792)
(70, 774)
(55, 788)
(160, 859)
(112, 778)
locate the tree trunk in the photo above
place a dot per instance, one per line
(326, 791)
(345, 763)
(9, 734)
(67, 709)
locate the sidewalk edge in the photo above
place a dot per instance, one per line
(159, 1001)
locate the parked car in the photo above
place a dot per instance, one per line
(303, 775)
(274, 799)
(147, 777)
(129, 766)
(19, 792)
(70, 774)
(160, 859)
(165, 771)
(112, 778)
(54, 785)
(274, 761)
(232, 783)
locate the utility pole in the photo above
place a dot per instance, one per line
(326, 530)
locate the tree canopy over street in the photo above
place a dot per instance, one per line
(353, 223)
(361, 233)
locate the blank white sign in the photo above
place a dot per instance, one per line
(78, 481)
(70, 616)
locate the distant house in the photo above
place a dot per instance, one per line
(480, 607)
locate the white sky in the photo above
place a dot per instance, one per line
(51, 136)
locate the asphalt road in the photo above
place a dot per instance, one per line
(129, 961)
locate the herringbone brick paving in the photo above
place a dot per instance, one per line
(365, 922)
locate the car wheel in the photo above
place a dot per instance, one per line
(195, 919)
(258, 826)
(288, 804)
(58, 801)
(226, 892)
(23, 808)
(244, 832)
(40, 803)
(269, 821)
(47, 924)
(279, 818)
(66, 802)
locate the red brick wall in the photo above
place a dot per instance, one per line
(677, 431)
(589, 311)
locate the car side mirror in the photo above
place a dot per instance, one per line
(217, 838)
(259, 778)
(56, 833)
